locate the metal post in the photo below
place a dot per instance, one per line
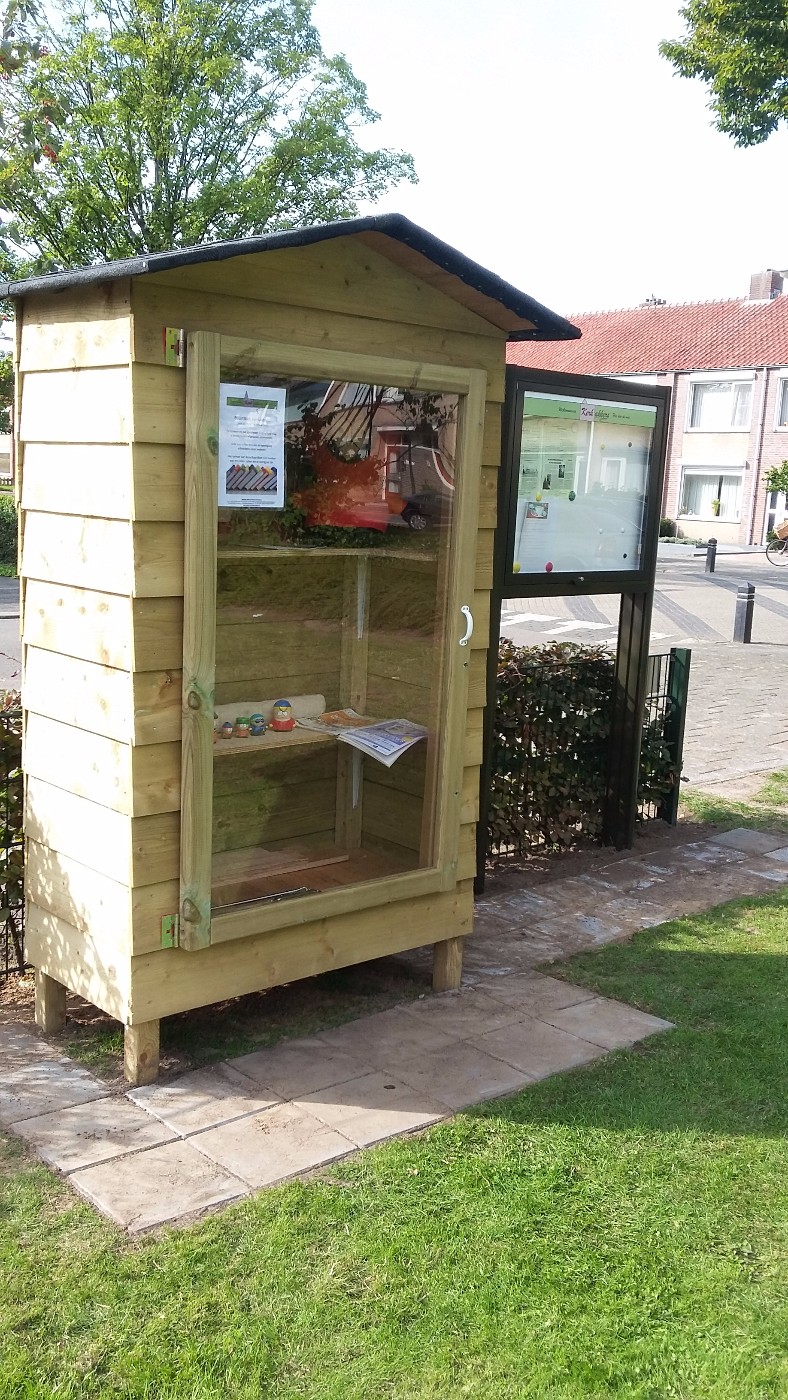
(745, 603)
(711, 555)
(626, 730)
(678, 690)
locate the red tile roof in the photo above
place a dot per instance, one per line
(649, 339)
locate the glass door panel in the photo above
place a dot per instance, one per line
(332, 599)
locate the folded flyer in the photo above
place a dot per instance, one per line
(386, 740)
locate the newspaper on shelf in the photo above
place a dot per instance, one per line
(386, 740)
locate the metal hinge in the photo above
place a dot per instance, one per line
(174, 347)
(171, 931)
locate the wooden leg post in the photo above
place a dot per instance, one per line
(50, 1011)
(141, 1052)
(447, 965)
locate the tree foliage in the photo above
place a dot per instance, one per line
(739, 48)
(130, 126)
(776, 478)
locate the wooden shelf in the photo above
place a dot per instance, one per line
(234, 553)
(254, 872)
(272, 740)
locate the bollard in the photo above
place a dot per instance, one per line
(711, 555)
(745, 602)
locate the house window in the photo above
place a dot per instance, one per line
(701, 489)
(782, 403)
(720, 405)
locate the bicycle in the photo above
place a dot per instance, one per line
(777, 549)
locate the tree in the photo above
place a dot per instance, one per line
(139, 125)
(740, 50)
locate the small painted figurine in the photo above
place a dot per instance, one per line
(282, 719)
(242, 726)
(257, 725)
(227, 729)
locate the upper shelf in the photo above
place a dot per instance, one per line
(272, 740)
(234, 552)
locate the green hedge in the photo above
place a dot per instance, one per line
(11, 843)
(8, 534)
(550, 748)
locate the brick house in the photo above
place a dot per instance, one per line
(727, 362)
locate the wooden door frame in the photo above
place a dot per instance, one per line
(206, 352)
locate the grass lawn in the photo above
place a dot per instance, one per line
(766, 811)
(618, 1231)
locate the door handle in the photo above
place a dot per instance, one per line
(468, 615)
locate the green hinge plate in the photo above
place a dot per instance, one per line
(170, 930)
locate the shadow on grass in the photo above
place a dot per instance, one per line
(724, 1069)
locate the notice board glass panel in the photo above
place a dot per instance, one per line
(332, 595)
(582, 485)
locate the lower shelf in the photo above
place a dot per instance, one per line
(240, 877)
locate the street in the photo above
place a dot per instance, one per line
(737, 719)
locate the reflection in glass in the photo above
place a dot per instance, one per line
(583, 478)
(335, 601)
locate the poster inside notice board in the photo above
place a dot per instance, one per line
(251, 447)
(582, 484)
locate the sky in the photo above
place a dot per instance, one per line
(555, 146)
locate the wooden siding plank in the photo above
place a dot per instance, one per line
(165, 982)
(87, 327)
(64, 952)
(156, 306)
(158, 558)
(91, 479)
(80, 622)
(90, 901)
(159, 404)
(338, 275)
(157, 632)
(70, 549)
(158, 477)
(78, 828)
(488, 498)
(77, 405)
(137, 782)
(491, 442)
(80, 693)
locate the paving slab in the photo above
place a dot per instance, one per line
(203, 1098)
(273, 1145)
(459, 1015)
(538, 1049)
(158, 1186)
(531, 994)
(388, 1036)
(92, 1132)
(462, 1075)
(609, 1024)
(753, 843)
(781, 854)
(295, 1067)
(44, 1086)
(375, 1107)
(20, 1048)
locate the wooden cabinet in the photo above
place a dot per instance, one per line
(162, 865)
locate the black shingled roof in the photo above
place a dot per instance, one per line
(549, 326)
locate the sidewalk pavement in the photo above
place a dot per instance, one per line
(168, 1152)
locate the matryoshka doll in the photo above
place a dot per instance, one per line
(257, 725)
(226, 730)
(241, 727)
(282, 717)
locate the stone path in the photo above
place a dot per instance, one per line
(168, 1152)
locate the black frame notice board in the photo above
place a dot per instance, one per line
(633, 581)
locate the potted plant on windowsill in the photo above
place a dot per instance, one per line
(715, 507)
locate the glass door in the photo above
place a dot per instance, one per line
(334, 676)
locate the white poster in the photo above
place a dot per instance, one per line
(251, 447)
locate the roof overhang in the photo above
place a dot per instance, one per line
(403, 242)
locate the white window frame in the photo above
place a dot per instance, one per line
(782, 381)
(718, 377)
(698, 469)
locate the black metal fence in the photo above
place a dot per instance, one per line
(550, 755)
(12, 890)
